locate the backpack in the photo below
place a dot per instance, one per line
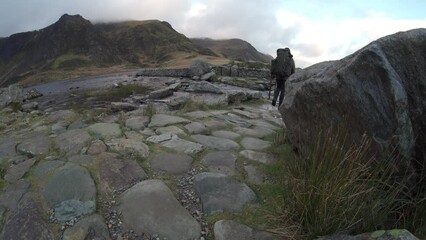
(283, 66)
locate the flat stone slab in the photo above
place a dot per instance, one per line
(257, 131)
(198, 114)
(105, 130)
(96, 147)
(137, 123)
(81, 159)
(46, 167)
(150, 207)
(62, 115)
(235, 120)
(72, 141)
(13, 193)
(36, 145)
(171, 163)
(228, 229)
(250, 143)
(220, 162)
(170, 130)
(161, 138)
(216, 142)
(71, 192)
(162, 120)
(254, 175)
(226, 134)
(261, 157)
(129, 146)
(91, 227)
(119, 174)
(183, 146)
(26, 223)
(220, 193)
(18, 171)
(216, 125)
(7, 147)
(246, 114)
(196, 128)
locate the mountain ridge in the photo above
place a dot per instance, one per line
(73, 46)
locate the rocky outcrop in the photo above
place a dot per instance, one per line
(10, 94)
(379, 90)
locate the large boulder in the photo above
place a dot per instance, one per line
(379, 90)
(10, 94)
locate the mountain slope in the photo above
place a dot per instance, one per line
(235, 49)
(73, 47)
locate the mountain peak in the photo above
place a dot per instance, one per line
(67, 19)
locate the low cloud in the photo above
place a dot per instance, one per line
(267, 25)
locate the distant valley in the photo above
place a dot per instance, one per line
(74, 47)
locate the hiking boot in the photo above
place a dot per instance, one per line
(274, 102)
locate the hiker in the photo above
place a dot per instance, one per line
(281, 68)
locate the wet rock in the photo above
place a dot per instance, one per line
(162, 120)
(36, 145)
(91, 227)
(26, 223)
(18, 171)
(183, 146)
(105, 130)
(228, 229)
(137, 123)
(71, 192)
(220, 162)
(161, 213)
(119, 174)
(72, 141)
(215, 142)
(220, 193)
(250, 143)
(171, 163)
(261, 157)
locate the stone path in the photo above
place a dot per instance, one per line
(132, 175)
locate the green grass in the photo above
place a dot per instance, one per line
(70, 61)
(117, 93)
(335, 186)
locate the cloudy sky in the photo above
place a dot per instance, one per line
(315, 30)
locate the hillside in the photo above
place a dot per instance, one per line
(73, 47)
(235, 49)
